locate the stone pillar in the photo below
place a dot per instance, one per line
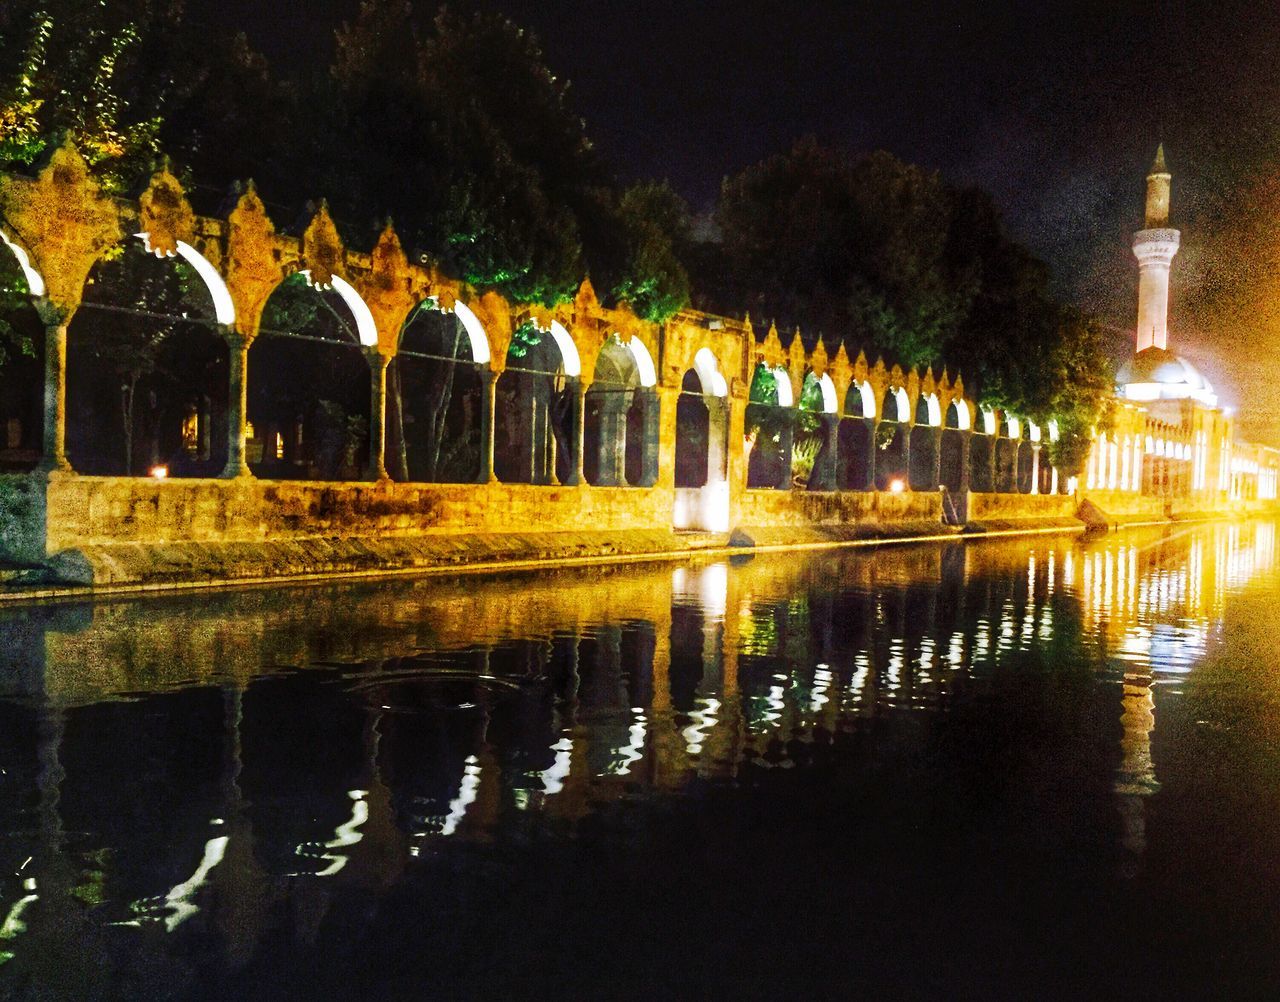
(786, 445)
(377, 469)
(966, 444)
(993, 463)
(717, 432)
(823, 477)
(487, 397)
(667, 400)
(1035, 467)
(904, 430)
(54, 455)
(936, 472)
(652, 436)
(579, 429)
(873, 428)
(237, 404)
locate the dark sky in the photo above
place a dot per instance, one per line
(1054, 107)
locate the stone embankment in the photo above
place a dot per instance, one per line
(64, 534)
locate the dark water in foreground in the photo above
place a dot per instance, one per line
(1028, 769)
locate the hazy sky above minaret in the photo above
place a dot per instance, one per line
(1055, 107)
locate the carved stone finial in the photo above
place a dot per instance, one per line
(252, 269)
(64, 222)
(322, 251)
(164, 214)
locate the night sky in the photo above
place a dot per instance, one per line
(1055, 108)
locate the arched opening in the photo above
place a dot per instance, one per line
(21, 362)
(814, 459)
(925, 443)
(954, 433)
(534, 412)
(770, 429)
(693, 433)
(855, 439)
(893, 439)
(621, 428)
(309, 387)
(147, 371)
(435, 396)
(1007, 449)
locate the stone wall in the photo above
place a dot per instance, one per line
(797, 508)
(91, 511)
(1018, 507)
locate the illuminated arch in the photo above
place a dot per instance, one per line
(988, 421)
(366, 329)
(1054, 434)
(962, 414)
(224, 308)
(1034, 430)
(901, 402)
(1012, 426)
(866, 397)
(644, 361)
(475, 332)
(35, 281)
(830, 404)
(934, 409)
(568, 350)
(782, 381)
(709, 375)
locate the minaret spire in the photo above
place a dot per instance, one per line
(1154, 246)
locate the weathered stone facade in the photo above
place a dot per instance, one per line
(906, 432)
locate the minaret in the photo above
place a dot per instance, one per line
(1154, 246)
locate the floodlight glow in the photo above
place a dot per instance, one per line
(644, 362)
(868, 400)
(897, 485)
(708, 370)
(35, 281)
(159, 472)
(783, 382)
(568, 350)
(475, 332)
(829, 403)
(365, 327)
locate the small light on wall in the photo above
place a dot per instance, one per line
(897, 485)
(159, 472)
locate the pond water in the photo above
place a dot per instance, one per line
(1042, 767)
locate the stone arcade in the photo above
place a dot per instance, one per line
(630, 437)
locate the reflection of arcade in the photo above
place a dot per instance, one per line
(444, 709)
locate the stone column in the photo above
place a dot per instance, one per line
(786, 445)
(55, 396)
(904, 430)
(873, 428)
(823, 477)
(487, 379)
(717, 433)
(237, 404)
(966, 444)
(579, 430)
(1035, 467)
(652, 436)
(378, 362)
(668, 402)
(935, 473)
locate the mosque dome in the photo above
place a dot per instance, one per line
(1159, 374)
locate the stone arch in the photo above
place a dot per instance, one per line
(22, 374)
(855, 448)
(769, 428)
(435, 424)
(147, 367)
(1008, 448)
(817, 422)
(309, 392)
(925, 443)
(534, 420)
(893, 438)
(982, 453)
(224, 308)
(954, 453)
(620, 418)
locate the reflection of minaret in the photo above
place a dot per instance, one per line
(1136, 776)
(1154, 246)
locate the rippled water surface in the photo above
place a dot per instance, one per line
(1046, 767)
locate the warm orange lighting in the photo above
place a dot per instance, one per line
(159, 472)
(897, 485)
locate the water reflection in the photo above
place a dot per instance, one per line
(224, 767)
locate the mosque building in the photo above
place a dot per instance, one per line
(1170, 437)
